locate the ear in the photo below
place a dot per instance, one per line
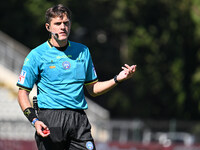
(47, 26)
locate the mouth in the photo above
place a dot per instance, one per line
(63, 33)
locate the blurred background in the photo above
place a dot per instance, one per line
(157, 109)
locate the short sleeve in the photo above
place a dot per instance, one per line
(29, 73)
(91, 75)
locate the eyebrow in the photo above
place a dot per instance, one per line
(62, 21)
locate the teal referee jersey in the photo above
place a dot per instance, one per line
(59, 75)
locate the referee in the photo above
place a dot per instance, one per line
(60, 68)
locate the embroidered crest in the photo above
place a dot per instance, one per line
(66, 65)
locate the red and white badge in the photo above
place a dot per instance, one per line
(22, 77)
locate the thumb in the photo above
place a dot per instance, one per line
(40, 126)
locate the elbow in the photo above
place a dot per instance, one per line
(92, 90)
(94, 94)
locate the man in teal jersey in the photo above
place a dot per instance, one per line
(61, 68)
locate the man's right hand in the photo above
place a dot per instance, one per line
(42, 129)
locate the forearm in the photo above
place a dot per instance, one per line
(23, 99)
(24, 102)
(100, 88)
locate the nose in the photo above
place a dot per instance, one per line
(62, 26)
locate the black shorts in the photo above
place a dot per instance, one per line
(69, 130)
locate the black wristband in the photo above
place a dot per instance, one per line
(30, 113)
(115, 79)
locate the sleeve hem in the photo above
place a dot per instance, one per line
(24, 88)
(91, 82)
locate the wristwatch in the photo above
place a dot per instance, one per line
(115, 79)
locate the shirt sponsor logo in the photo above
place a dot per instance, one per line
(64, 56)
(66, 65)
(89, 145)
(22, 77)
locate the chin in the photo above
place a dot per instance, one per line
(63, 39)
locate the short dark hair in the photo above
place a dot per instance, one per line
(57, 11)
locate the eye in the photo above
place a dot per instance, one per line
(66, 23)
(57, 23)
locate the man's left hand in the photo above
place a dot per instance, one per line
(126, 73)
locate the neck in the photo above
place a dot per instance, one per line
(58, 43)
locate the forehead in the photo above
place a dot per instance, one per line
(59, 18)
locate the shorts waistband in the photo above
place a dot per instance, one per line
(78, 110)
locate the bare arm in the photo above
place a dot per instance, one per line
(24, 102)
(99, 88)
(23, 99)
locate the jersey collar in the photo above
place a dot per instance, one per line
(59, 48)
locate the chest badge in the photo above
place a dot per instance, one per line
(66, 65)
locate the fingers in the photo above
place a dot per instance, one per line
(42, 129)
(126, 73)
(129, 69)
(133, 68)
(46, 132)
